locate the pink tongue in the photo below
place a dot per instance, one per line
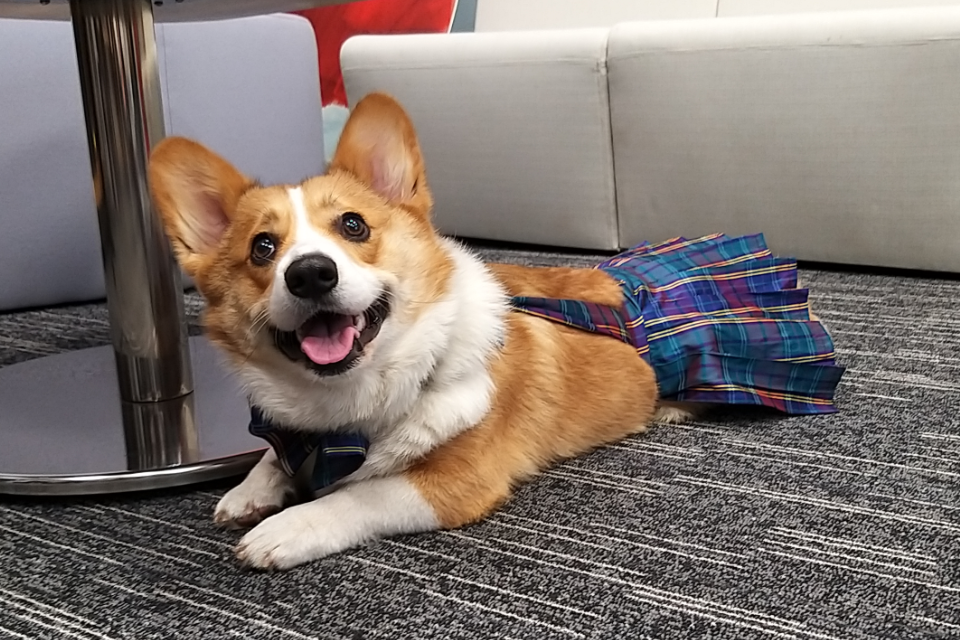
(329, 342)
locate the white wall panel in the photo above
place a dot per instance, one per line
(517, 15)
(759, 7)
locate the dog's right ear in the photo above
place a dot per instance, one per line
(196, 193)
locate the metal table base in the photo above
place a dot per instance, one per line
(66, 431)
(127, 417)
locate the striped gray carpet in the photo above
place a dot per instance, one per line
(741, 526)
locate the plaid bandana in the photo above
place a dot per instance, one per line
(719, 319)
(338, 454)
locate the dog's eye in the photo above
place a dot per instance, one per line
(262, 249)
(353, 227)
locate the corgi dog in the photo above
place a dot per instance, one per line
(343, 310)
(404, 336)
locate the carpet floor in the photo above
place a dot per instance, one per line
(738, 526)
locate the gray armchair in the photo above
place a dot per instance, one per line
(248, 88)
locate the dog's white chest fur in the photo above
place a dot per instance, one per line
(426, 382)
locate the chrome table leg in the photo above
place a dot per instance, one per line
(126, 418)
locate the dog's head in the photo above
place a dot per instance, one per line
(319, 271)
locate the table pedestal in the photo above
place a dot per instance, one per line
(126, 418)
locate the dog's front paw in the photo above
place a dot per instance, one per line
(348, 517)
(284, 540)
(254, 500)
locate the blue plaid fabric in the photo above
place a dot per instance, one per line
(719, 319)
(338, 454)
(596, 318)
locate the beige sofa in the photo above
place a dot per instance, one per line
(835, 134)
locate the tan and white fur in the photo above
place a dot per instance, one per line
(460, 397)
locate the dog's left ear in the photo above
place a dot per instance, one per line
(379, 146)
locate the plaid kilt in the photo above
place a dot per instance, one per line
(719, 319)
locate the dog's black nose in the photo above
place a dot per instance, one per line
(311, 276)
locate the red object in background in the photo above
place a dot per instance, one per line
(333, 24)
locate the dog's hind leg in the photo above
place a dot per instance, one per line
(670, 412)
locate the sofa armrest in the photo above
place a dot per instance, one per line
(514, 128)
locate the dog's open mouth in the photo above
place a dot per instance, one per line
(331, 343)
